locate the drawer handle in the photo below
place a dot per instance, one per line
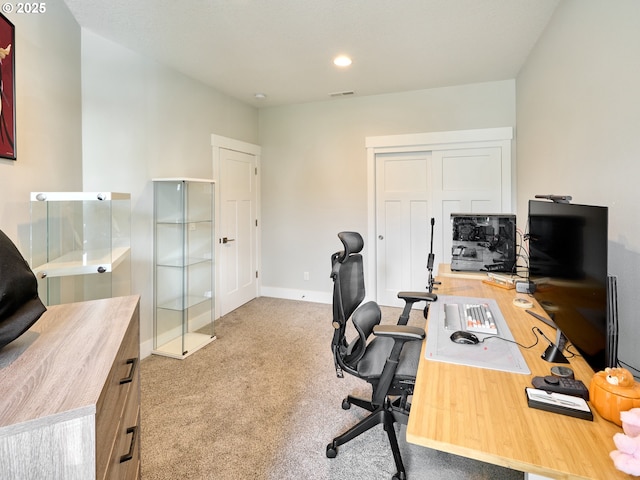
(133, 362)
(129, 455)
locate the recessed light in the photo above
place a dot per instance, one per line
(342, 61)
(260, 96)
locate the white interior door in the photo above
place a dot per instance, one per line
(237, 250)
(403, 210)
(466, 180)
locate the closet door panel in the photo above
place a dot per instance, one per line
(466, 180)
(402, 235)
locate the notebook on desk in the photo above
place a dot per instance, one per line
(493, 353)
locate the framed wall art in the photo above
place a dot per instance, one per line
(7, 89)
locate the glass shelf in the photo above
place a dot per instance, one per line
(79, 262)
(178, 262)
(182, 303)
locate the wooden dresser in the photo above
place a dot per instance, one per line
(70, 394)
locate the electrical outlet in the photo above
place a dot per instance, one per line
(306, 275)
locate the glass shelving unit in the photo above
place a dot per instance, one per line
(184, 268)
(80, 245)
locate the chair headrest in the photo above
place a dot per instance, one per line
(353, 243)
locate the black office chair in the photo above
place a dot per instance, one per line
(20, 306)
(389, 361)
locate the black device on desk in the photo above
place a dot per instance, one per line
(568, 386)
(554, 352)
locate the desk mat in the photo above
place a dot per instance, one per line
(492, 354)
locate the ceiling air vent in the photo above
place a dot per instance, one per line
(342, 94)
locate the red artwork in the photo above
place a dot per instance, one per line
(7, 90)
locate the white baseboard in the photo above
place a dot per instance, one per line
(146, 348)
(291, 294)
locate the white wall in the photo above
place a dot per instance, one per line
(578, 100)
(140, 121)
(577, 124)
(48, 116)
(314, 170)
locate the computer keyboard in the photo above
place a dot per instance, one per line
(474, 317)
(479, 318)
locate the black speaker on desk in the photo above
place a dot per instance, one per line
(611, 351)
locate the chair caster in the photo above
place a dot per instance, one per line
(346, 405)
(425, 312)
(399, 476)
(332, 451)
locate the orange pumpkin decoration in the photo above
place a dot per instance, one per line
(612, 391)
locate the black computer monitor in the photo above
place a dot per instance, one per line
(568, 261)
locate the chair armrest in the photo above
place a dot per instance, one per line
(417, 296)
(409, 299)
(400, 332)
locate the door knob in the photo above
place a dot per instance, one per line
(227, 240)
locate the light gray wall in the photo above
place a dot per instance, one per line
(314, 172)
(141, 120)
(48, 116)
(578, 130)
(577, 124)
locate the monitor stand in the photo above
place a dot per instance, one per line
(554, 355)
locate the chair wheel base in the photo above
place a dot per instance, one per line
(332, 451)
(346, 405)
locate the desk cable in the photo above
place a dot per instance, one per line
(535, 331)
(496, 337)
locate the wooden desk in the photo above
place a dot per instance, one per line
(483, 414)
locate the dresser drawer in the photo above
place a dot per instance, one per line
(121, 387)
(125, 458)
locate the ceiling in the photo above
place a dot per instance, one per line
(285, 48)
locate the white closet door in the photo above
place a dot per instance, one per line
(412, 188)
(412, 178)
(467, 180)
(403, 210)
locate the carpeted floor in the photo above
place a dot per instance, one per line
(262, 402)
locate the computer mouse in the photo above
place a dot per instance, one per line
(466, 338)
